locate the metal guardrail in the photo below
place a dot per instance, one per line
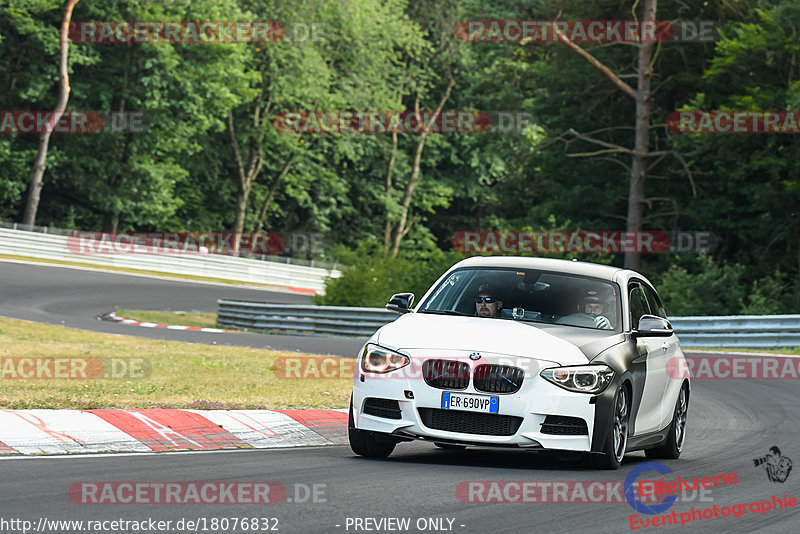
(308, 320)
(276, 258)
(754, 331)
(726, 331)
(54, 247)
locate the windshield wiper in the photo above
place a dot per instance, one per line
(445, 312)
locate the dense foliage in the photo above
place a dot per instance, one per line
(182, 172)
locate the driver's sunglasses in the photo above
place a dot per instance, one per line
(488, 300)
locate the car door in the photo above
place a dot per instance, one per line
(649, 417)
(671, 349)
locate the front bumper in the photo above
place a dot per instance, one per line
(533, 403)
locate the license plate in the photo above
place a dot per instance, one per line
(470, 403)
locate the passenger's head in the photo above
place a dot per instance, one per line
(592, 308)
(592, 304)
(486, 302)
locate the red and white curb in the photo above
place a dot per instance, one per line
(163, 429)
(302, 290)
(113, 317)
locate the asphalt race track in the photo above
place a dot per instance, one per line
(75, 297)
(731, 422)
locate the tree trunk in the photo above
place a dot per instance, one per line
(387, 231)
(39, 165)
(110, 221)
(111, 218)
(272, 190)
(641, 95)
(401, 230)
(636, 192)
(247, 175)
(242, 197)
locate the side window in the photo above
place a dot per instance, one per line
(638, 304)
(655, 304)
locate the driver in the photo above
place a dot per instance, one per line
(593, 306)
(486, 303)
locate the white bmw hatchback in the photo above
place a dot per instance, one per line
(528, 353)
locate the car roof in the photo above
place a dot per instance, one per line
(596, 270)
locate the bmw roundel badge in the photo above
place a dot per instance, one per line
(475, 356)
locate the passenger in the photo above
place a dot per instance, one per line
(592, 305)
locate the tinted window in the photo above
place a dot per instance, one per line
(638, 304)
(655, 304)
(527, 295)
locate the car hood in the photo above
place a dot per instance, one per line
(564, 345)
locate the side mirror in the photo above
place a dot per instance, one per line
(652, 326)
(400, 302)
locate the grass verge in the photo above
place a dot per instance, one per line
(181, 375)
(203, 320)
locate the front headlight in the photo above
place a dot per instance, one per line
(581, 379)
(377, 359)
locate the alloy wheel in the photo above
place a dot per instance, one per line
(681, 412)
(621, 425)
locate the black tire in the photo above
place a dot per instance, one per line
(363, 442)
(450, 446)
(617, 439)
(673, 445)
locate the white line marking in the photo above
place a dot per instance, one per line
(153, 453)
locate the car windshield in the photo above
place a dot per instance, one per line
(527, 295)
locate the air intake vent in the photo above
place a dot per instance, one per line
(470, 423)
(386, 408)
(562, 425)
(498, 378)
(446, 374)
